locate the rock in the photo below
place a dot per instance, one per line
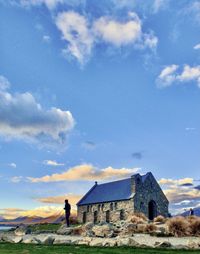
(109, 243)
(193, 245)
(129, 229)
(64, 230)
(61, 240)
(105, 230)
(29, 239)
(88, 226)
(127, 241)
(87, 229)
(84, 241)
(77, 230)
(180, 247)
(96, 242)
(48, 240)
(164, 244)
(11, 238)
(22, 230)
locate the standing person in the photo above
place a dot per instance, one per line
(67, 209)
(191, 212)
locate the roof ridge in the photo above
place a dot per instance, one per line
(114, 181)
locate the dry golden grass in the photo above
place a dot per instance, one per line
(194, 225)
(150, 228)
(160, 219)
(141, 215)
(178, 226)
(137, 220)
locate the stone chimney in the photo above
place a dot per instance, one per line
(134, 182)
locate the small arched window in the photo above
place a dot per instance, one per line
(88, 208)
(122, 216)
(102, 207)
(115, 205)
(111, 206)
(99, 207)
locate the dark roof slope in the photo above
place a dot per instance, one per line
(112, 191)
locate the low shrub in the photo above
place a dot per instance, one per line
(160, 219)
(194, 225)
(178, 226)
(137, 220)
(141, 215)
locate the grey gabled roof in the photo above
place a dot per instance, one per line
(106, 192)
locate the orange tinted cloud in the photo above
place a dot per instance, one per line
(86, 172)
(73, 199)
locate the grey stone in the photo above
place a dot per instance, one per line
(11, 238)
(164, 244)
(22, 230)
(64, 230)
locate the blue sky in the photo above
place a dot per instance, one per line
(97, 90)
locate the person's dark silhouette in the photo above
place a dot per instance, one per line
(67, 209)
(191, 212)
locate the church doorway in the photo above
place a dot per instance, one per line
(152, 209)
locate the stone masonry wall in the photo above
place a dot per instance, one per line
(150, 191)
(118, 210)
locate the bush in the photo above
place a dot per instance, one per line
(194, 225)
(141, 215)
(160, 219)
(178, 226)
(150, 228)
(137, 220)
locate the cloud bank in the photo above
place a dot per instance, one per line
(170, 74)
(182, 193)
(73, 199)
(81, 35)
(52, 163)
(86, 172)
(22, 117)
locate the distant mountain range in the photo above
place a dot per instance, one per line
(57, 218)
(196, 212)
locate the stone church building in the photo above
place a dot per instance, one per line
(114, 201)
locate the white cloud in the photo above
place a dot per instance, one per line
(158, 5)
(190, 74)
(118, 33)
(182, 181)
(16, 179)
(81, 35)
(190, 128)
(197, 46)
(169, 75)
(22, 117)
(12, 165)
(74, 29)
(150, 40)
(52, 163)
(86, 172)
(50, 4)
(4, 83)
(46, 38)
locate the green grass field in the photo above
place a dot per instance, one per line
(6, 248)
(44, 227)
